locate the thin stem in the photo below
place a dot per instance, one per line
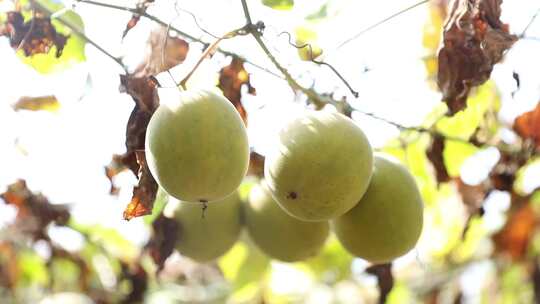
(241, 31)
(312, 95)
(23, 41)
(318, 62)
(197, 22)
(531, 38)
(75, 30)
(376, 24)
(177, 31)
(246, 12)
(209, 50)
(530, 23)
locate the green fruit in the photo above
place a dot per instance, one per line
(206, 235)
(278, 234)
(388, 220)
(197, 147)
(320, 167)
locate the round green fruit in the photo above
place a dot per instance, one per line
(197, 146)
(320, 167)
(207, 234)
(388, 220)
(278, 234)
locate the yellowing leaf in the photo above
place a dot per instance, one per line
(73, 51)
(464, 123)
(40, 103)
(283, 5)
(306, 40)
(245, 266)
(332, 264)
(455, 153)
(414, 157)
(320, 14)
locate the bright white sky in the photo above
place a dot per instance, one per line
(66, 151)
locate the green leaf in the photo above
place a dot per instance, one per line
(400, 294)
(245, 187)
(161, 200)
(464, 123)
(283, 5)
(32, 268)
(65, 273)
(320, 14)
(332, 264)
(73, 51)
(307, 35)
(245, 266)
(109, 238)
(455, 154)
(413, 156)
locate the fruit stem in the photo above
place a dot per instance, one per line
(209, 50)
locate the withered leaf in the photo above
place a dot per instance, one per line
(118, 164)
(231, 80)
(34, 211)
(385, 279)
(256, 164)
(503, 174)
(435, 155)
(163, 52)
(161, 244)
(515, 236)
(527, 125)
(535, 279)
(473, 197)
(140, 9)
(474, 39)
(9, 269)
(35, 36)
(144, 194)
(138, 279)
(39, 103)
(144, 92)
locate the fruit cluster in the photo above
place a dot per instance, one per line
(321, 175)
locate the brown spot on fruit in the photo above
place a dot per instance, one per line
(292, 195)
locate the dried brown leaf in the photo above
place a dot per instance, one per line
(138, 279)
(35, 36)
(535, 279)
(515, 236)
(256, 164)
(144, 194)
(164, 236)
(9, 268)
(474, 40)
(142, 90)
(140, 9)
(231, 80)
(39, 103)
(34, 211)
(435, 155)
(504, 172)
(527, 125)
(385, 279)
(144, 93)
(118, 164)
(163, 52)
(473, 196)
